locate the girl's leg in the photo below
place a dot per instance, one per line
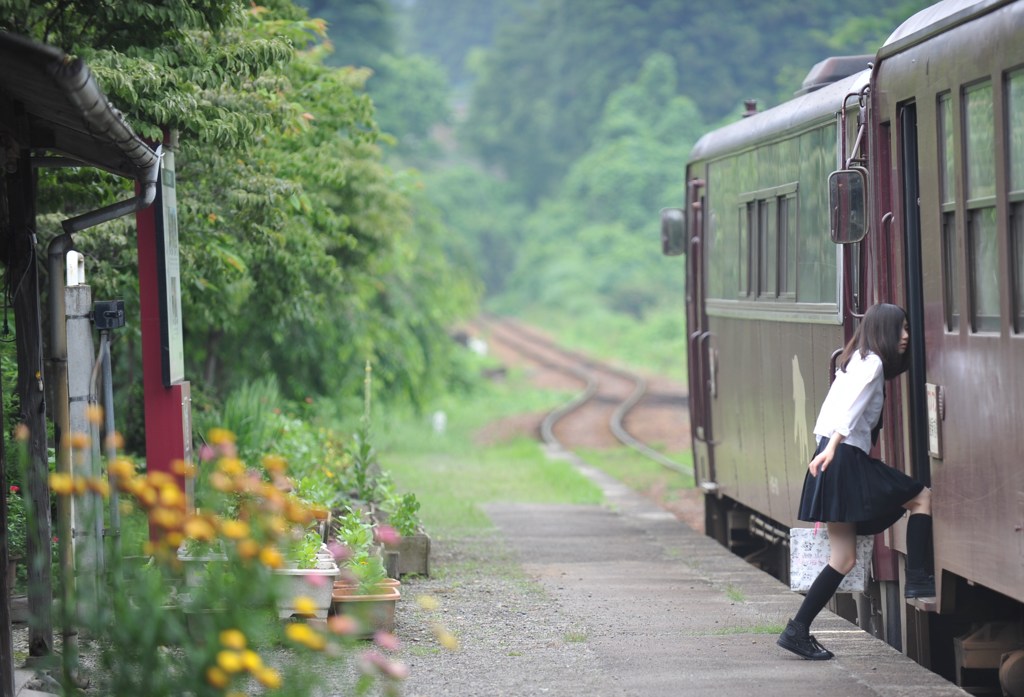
(920, 581)
(796, 637)
(842, 539)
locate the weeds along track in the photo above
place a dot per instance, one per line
(599, 415)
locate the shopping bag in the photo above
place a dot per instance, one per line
(808, 555)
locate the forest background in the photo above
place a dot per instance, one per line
(356, 177)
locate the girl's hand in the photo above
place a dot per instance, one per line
(820, 462)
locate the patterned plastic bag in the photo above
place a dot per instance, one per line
(808, 555)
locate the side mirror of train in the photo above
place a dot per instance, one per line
(673, 232)
(847, 202)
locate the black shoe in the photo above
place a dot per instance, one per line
(796, 639)
(919, 585)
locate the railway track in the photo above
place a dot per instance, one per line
(612, 406)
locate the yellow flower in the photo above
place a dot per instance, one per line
(271, 557)
(234, 529)
(274, 463)
(220, 436)
(183, 469)
(122, 468)
(304, 634)
(61, 484)
(251, 661)
(78, 440)
(229, 661)
(231, 466)
(248, 549)
(173, 538)
(98, 485)
(217, 677)
(171, 496)
(305, 605)
(166, 518)
(232, 639)
(221, 482)
(269, 678)
(94, 414)
(115, 440)
(199, 529)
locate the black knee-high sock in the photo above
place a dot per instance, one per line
(823, 588)
(919, 544)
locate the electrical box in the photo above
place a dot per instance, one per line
(108, 314)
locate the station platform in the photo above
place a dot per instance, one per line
(671, 612)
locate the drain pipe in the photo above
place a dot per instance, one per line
(145, 197)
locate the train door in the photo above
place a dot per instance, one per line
(701, 369)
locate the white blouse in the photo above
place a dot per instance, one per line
(854, 402)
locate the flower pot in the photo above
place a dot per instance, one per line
(374, 612)
(414, 555)
(316, 584)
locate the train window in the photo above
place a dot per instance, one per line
(788, 236)
(982, 241)
(748, 246)
(768, 261)
(1015, 140)
(768, 235)
(950, 241)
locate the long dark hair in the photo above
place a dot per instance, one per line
(879, 332)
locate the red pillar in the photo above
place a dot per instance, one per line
(167, 408)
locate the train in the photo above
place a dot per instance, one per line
(892, 177)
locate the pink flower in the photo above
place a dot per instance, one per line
(339, 551)
(386, 535)
(14, 489)
(206, 453)
(386, 640)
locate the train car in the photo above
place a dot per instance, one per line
(933, 134)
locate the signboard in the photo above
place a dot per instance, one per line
(172, 354)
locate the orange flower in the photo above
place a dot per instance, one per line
(217, 677)
(271, 557)
(268, 677)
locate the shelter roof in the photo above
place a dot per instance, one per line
(51, 102)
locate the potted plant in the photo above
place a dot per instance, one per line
(309, 574)
(414, 546)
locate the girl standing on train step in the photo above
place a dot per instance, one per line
(849, 490)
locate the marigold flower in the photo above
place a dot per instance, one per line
(174, 538)
(220, 436)
(78, 440)
(251, 661)
(200, 529)
(171, 496)
(94, 414)
(217, 677)
(303, 634)
(248, 549)
(221, 482)
(231, 466)
(304, 605)
(268, 677)
(158, 479)
(183, 469)
(274, 463)
(98, 485)
(21, 433)
(78, 484)
(122, 468)
(61, 484)
(114, 440)
(234, 529)
(229, 661)
(271, 557)
(166, 518)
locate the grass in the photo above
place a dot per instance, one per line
(734, 594)
(756, 629)
(641, 474)
(575, 637)
(453, 475)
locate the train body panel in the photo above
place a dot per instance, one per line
(961, 94)
(937, 126)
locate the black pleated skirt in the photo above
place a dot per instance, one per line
(856, 488)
